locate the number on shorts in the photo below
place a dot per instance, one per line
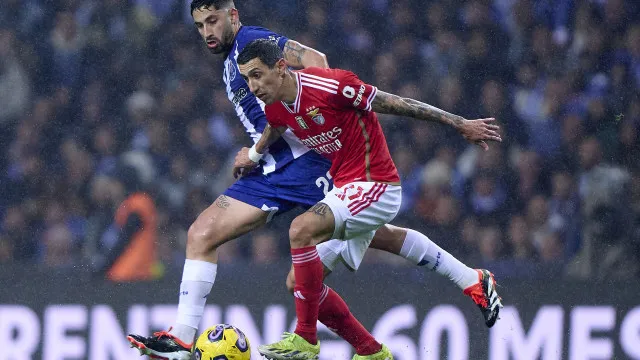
(356, 192)
(324, 183)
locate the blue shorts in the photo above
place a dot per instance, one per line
(303, 182)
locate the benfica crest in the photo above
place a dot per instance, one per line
(317, 118)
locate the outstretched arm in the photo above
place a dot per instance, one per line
(300, 56)
(248, 158)
(476, 131)
(386, 103)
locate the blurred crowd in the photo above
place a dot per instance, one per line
(92, 89)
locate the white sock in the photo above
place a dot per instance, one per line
(422, 251)
(197, 280)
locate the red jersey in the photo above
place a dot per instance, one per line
(332, 115)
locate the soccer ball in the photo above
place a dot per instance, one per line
(222, 342)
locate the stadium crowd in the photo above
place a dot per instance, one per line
(101, 97)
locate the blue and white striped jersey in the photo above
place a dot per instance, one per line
(250, 109)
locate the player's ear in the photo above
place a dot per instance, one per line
(234, 16)
(282, 67)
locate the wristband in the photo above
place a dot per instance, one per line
(254, 155)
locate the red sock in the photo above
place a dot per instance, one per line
(308, 270)
(335, 314)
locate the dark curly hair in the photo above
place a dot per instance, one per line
(207, 4)
(266, 50)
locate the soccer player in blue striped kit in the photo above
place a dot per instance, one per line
(290, 176)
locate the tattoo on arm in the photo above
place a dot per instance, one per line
(293, 53)
(385, 103)
(269, 136)
(222, 202)
(319, 209)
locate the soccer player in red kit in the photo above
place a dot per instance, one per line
(332, 112)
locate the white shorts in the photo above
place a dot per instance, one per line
(359, 209)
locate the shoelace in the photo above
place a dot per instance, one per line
(287, 336)
(161, 334)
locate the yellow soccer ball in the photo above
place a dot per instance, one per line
(222, 342)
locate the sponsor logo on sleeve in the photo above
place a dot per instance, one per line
(360, 93)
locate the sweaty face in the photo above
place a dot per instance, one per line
(215, 28)
(263, 82)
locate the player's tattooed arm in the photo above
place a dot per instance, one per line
(477, 131)
(300, 56)
(269, 136)
(386, 103)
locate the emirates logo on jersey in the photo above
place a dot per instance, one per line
(326, 142)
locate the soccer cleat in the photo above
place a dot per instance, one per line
(161, 346)
(291, 347)
(383, 354)
(485, 295)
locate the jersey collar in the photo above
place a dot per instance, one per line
(296, 104)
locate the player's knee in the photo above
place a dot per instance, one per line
(291, 282)
(202, 239)
(300, 233)
(393, 233)
(389, 238)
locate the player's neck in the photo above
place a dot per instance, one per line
(236, 30)
(289, 87)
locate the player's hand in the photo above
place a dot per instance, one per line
(480, 131)
(243, 164)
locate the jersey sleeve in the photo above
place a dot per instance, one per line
(262, 33)
(273, 117)
(353, 92)
(281, 40)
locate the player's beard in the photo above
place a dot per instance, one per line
(226, 42)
